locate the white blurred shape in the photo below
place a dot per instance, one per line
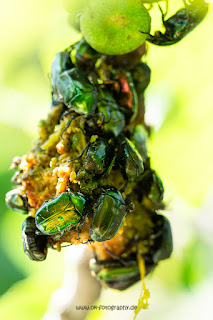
(158, 104)
(204, 219)
(61, 298)
(21, 110)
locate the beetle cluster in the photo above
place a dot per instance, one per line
(88, 178)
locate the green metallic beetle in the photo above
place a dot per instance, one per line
(79, 54)
(139, 139)
(141, 77)
(102, 117)
(60, 214)
(17, 202)
(61, 63)
(164, 240)
(131, 159)
(120, 273)
(34, 245)
(108, 215)
(96, 159)
(180, 24)
(114, 120)
(150, 190)
(156, 192)
(76, 91)
(85, 55)
(115, 274)
(126, 94)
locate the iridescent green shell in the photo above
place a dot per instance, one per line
(62, 212)
(132, 159)
(15, 201)
(34, 245)
(76, 91)
(96, 157)
(108, 216)
(114, 120)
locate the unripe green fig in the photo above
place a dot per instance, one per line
(115, 27)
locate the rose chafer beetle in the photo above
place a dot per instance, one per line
(131, 159)
(61, 63)
(108, 215)
(85, 55)
(34, 245)
(76, 91)
(17, 202)
(141, 76)
(139, 139)
(119, 273)
(164, 241)
(60, 213)
(155, 194)
(114, 274)
(96, 159)
(114, 120)
(126, 95)
(180, 24)
(150, 190)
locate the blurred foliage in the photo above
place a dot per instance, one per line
(179, 105)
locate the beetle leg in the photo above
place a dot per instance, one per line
(80, 224)
(103, 118)
(95, 94)
(110, 166)
(162, 13)
(151, 37)
(114, 256)
(66, 113)
(157, 235)
(125, 185)
(58, 237)
(106, 100)
(93, 76)
(61, 233)
(69, 123)
(77, 234)
(57, 227)
(80, 154)
(93, 115)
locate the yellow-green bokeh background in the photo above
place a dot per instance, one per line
(179, 104)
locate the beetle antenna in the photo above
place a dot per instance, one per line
(109, 168)
(124, 187)
(93, 115)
